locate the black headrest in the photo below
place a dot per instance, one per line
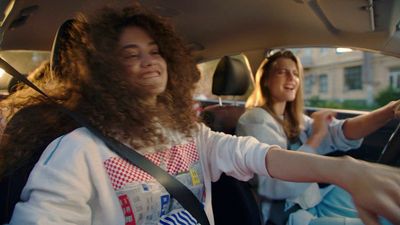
(231, 77)
(59, 43)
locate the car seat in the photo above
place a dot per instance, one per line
(231, 77)
(233, 201)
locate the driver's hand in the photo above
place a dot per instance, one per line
(375, 192)
(396, 109)
(321, 120)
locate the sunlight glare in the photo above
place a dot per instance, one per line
(342, 50)
(2, 72)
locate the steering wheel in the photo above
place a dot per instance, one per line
(391, 152)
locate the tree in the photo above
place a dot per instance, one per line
(387, 95)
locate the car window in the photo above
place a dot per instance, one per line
(24, 61)
(348, 79)
(338, 78)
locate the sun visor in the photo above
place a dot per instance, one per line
(361, 13)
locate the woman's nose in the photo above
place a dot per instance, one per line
(147, 60)
(291, 74)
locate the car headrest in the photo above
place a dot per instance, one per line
(231, 77)
(59, 43)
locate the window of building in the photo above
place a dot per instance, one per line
(323, 83)
(308, 83)
(352, 78)
(324, 51)
(394, 78)
(307, 52)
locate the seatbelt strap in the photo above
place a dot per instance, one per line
(177, 190)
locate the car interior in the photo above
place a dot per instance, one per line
(215, 30)
(230, 196)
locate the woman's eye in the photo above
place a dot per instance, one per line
(155, 52)
(131, 56)
(281, 71)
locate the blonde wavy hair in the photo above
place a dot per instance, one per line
(260, 97)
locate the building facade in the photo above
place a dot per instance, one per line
(347, 76)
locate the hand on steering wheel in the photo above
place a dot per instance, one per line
(391, 152)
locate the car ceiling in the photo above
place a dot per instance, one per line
(214, 28)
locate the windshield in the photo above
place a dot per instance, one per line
(333, 78)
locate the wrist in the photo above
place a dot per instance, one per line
(395, 109)
(389, 110)
(350, 170)
(315, 140)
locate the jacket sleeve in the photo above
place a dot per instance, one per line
(239, 157)
(261, 125)
(59, 188)
(335, 140)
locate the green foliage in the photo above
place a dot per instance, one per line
(387, 95)
(381, 99)
(355, 104)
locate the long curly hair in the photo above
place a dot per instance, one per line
(32, 122)
(90, 80)
(25, 95)
(260, 97)
(107, 96)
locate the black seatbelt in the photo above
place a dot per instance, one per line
(177, 190)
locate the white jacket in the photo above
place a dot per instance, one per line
(78, 180)
(260, 124)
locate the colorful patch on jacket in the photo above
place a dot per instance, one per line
(143, 200)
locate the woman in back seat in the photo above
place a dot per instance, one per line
(135, 83)
(276, 117)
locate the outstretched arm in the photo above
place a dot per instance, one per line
(360, 126)
(374, 188)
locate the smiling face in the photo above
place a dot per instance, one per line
(283, 80)
(146, 68)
